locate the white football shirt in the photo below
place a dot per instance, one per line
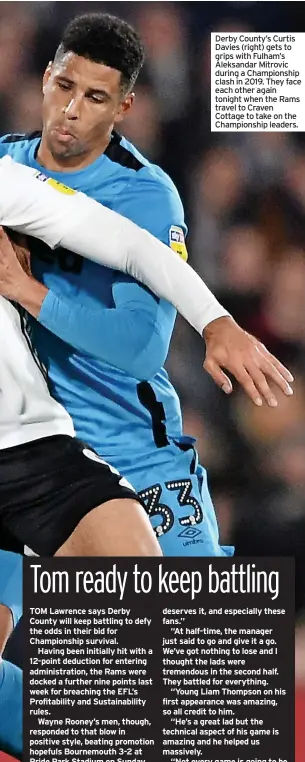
(32, 203)
(27, 410)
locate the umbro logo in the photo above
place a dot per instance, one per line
(190, 532)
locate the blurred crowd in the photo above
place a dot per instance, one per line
(244, 197)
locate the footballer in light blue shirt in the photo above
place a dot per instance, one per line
(10, 675)
(103, 337)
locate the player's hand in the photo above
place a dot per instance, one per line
(21, 249)
(16, 280)
(246, 358)
(12, 274)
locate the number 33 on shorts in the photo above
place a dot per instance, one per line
(183, 517)
(163, 503)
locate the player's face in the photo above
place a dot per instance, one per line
(82, 102)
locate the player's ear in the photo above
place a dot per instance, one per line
(124, 107)
(46, 76)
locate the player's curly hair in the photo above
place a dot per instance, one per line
(108, 40)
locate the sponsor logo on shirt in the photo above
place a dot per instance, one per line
(177, 241)
(61, 187)
(55, 184)
(40, 176)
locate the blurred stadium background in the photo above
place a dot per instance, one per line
(244, 197)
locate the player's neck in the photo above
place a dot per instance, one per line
(70, 163)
